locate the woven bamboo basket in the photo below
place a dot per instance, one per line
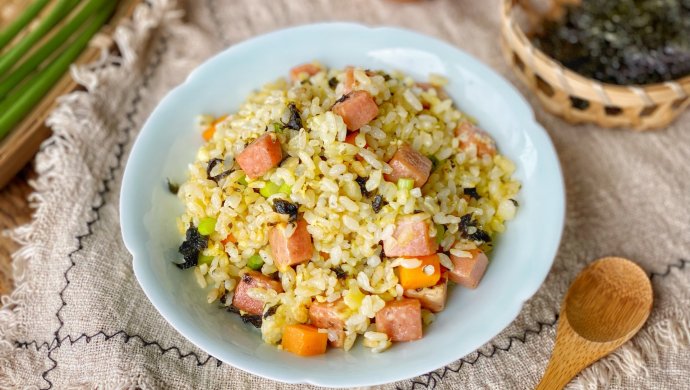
(576, 98)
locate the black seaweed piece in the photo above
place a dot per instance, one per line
(271, 311)
(377, 204)
(282, 206)
(515, 202)
(252, 319)
(223, 298)
(173, 187)
(386, 76)
(193, 244)
(209, 168)
(434, 162)
(465, 222)
(471, 192)
(332, 82)
(362, 181)
(233, 309)
(340, 273)
(295, 121)
(342, 98)
(480, 235)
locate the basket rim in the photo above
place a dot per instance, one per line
(580, 85)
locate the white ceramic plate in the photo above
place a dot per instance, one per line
(168, 143)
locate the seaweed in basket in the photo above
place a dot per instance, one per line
(333, 82)
(271, 311)
(212, 164)
(378, 203)
(340, 273)
(246, 318)
(193, 244)
(282, 206)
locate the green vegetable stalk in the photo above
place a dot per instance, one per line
(16, 106)
(39, 56)
(13, 29)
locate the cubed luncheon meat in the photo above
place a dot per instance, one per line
(400, 320)
(329, 315)
(291, 249)
(357, 109)
(308, 69)
(432, 298)
(410, 237)
(260, 156)
(468, 271)
(253, 279)
(408, 163)
(472, 135)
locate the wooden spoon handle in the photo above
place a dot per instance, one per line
(558, 374)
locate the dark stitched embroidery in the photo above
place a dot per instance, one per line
(119, 152)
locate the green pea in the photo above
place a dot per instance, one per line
(203, 259)
(405, 184)
(270, 188)
(255, 262)
(207, 226)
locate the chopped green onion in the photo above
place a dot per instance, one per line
(27, 16)
(203, 259)
(440, 233)
(405, 184)
(270, 188)
(278, 128)
(255, 262)
(15, 53)
(39, 56)
(243, 180)
(207, 226)
(285, 189)
(20, 103)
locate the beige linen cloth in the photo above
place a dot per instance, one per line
(79, 319)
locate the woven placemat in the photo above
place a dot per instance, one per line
(79, 319)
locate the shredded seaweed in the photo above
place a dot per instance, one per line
(362, 181)
(271, 311)
(193, 244)
(515, 202)
(471, 192)
(480, 235)
(342, 98)
(332, 82)
(282, 206)
(212, 164)
(465, 222)
(252, 319)
(340, 273)
(377, 204)
(295, 121)
(173, 187)
(434, 162)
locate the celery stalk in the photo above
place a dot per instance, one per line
(27, 98)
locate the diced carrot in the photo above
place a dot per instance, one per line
(229, 238)
(211, 129)
(260, 156)
(292, 250)
(304, 340)
(350, 138)
(408, 163)
(410, 237)
(357, 108)
(426, 275)
(309, 69)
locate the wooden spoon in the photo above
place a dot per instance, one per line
(606, 305)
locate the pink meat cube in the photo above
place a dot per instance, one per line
(253, 279)
(295, 249)
(329, 315)
(401, 320)
(260, 156)
(408, 163)
(410, 237)
(357, 109)
(468, 271)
